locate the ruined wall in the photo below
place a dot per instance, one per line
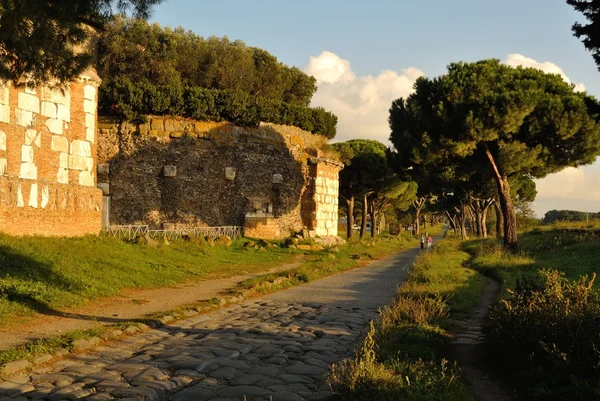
(47, 160)
(187, 173)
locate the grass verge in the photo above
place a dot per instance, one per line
(402, 356)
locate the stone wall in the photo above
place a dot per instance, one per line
(188, 173)
(47, 159)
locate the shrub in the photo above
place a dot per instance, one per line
(549, 327)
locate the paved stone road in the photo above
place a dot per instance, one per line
(278, 348)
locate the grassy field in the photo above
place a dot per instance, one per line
(402, 357)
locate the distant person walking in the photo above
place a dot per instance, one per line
(422, 241)
(429, 242)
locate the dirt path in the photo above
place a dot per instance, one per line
(132, 304)
(468, 349)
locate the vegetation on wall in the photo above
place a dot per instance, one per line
(148, 69)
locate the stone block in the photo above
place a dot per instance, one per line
(30, 90)
(103, 168)
(86, 179)
(63, 113)
(28, 171)
(24, 118)
(89, 92)
(28, 102)
(16, 366)
(172, 125)
(49, 109)
(77, 162)
(63, 160)
(30, 135)
(59, 144)
(4, 94)
(20, 202)
(33, 196)
(89, 163)
(277, 179)
(169, 171)
(4, 113)
(81, 148)
(55, 126)
(45, 196)
(3, 166)
(26, 154)
(2, 140)
(89, 106)
(230, 173)
(90, 135)
(157, 124)
(62, 177)
(105, 187)
(58, 96)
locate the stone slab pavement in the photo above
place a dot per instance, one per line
(276, 348)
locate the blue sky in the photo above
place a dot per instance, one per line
(376, 50)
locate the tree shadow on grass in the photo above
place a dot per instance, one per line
(30, 283)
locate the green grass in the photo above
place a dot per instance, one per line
(40, 274)
(403, 355)
(573, 251)
(324, 263)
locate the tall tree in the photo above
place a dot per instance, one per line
(590, 32)
(508, 121)
(39, 38)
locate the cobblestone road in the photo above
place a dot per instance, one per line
(278, 348)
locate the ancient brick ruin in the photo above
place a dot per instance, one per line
(47, 159)
(176, 173)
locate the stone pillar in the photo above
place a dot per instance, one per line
(324, 194)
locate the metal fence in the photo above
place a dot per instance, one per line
(130, 232)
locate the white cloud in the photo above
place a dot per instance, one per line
(361, 102)
(572, 188)
(515, 60)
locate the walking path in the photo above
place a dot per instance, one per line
(469, 351)
(280, 346)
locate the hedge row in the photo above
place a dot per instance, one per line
(125, 99)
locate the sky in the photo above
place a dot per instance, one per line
(365, 55)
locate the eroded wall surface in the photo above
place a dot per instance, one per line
(47, 160)
(183, 173)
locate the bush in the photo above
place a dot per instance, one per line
(129, 100)
(549, 329)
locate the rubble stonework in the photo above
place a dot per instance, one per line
(47, 159)
(262, 177)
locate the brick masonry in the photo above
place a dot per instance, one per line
(272, 179)
(47, 160)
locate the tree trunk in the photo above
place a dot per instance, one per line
(508, 214)
(463, 222)
(498, 220)
(484, 222)
(506, 204)
(452, 221)
(418, 220)
(479, 222)
(350, 217)
(363, 224)
(373, 215)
